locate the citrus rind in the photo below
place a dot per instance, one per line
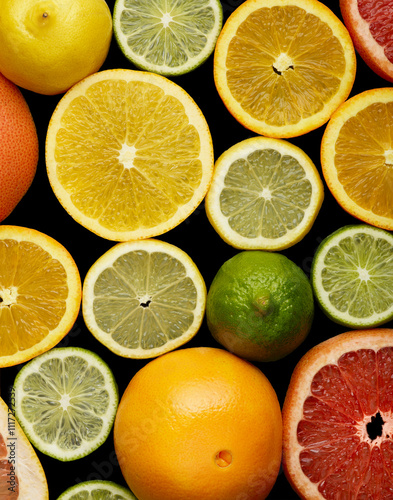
(192, 30)
(63, 380)
(292, 231)
(179, 259)
(95, 487)
(353, 271)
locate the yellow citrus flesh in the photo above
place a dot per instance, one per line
(47, 46)
(144, 298)
(40, 293)
(357, 157)
(265, 194)
(129, 154)
(21, 472)
(282, 67)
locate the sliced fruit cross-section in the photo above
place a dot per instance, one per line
(337, 419)
(143, 298)
(40, 293)
(129, 154)
(97, 490)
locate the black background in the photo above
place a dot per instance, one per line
(39, 209)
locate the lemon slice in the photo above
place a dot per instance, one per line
(143, 298)
(21, 472)
(129, 154)
(265, 194)
(357, 156)
(97, 490)
(65, 401)
(282, 67)
(352, 273)
(170, 37)
(40, 293)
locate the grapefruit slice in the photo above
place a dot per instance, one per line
(337, 418)
(369, 24)
(21, 473)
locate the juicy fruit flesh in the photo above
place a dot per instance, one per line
(347, 426)
(6, 470)
(271, 193)
(144, 299)
(364, 158)
(379, 16)
(167, 32)
(66, 401)
(33, 294)
(138, 162)
(283, 51)
(354, 285)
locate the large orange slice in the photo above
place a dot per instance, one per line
(282, 67)
(337, 419)
(40, 293)
(357, 156)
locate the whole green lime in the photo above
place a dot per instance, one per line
(260, 305)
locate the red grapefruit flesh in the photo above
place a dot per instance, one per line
(370, 24)
(338, 419)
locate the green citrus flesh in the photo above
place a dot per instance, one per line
(352, 273)
(169, 37)
(97, 490)
(66, 401)
(260, 305)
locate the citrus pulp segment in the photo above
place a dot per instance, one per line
(265, 194)
(337, 418)
(357, 156)
(282, 67)
(97, 490)
(169, 37)
(66, 401)
(129, 154)
(40, 293)
(21, 472)
(367, 23)
(143, 298)
(352, 274)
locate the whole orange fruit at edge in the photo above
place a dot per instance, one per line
(18, 147)
(199, 423)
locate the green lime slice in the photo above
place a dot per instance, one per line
(169, 37)
(352, 273)
(97, 490)
(66, 401)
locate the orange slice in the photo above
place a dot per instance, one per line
(337, 419)
(282, 67)
(357, 156)
(21, 472)
(40, 293)
(129, 154)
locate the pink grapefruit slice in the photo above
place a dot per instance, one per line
(370, 25)
(337, 418)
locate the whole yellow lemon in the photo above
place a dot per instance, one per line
(49, 45)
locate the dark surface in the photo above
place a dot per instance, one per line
(40, 210)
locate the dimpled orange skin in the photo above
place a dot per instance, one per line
(18, 147)
(199, 423)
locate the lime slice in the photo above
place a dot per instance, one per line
(352, 273)
(66, 401)
(265, 194)
(143, 298)
(97, 490)
(170, 37)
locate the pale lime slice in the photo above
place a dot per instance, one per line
(170, 37)
(143, 298)
(66, 401)
(352, 276)
(265, 194)
(97, 490)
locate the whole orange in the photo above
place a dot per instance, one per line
(199, 423)
(18, 147)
